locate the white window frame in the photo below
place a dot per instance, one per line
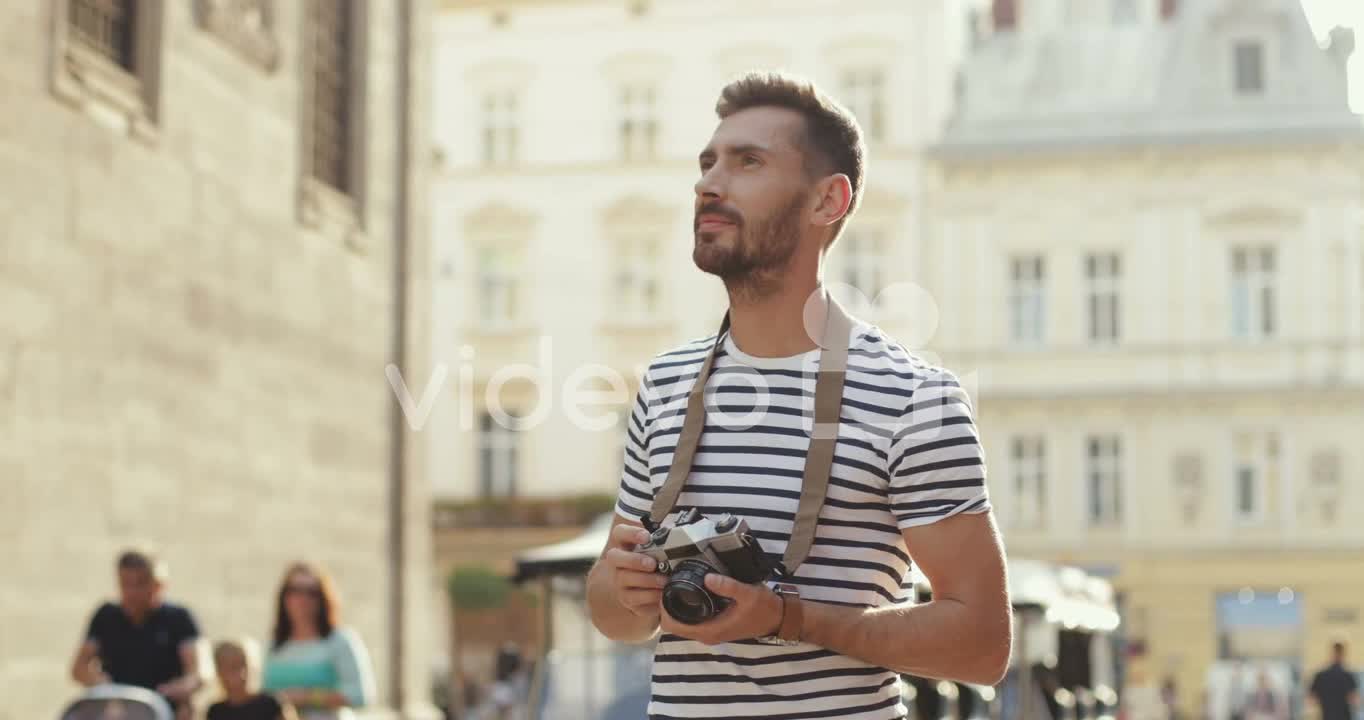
(1103, 297)
(500, 121)
(1256, 463)
(636, 275)
(1027, 310)
(1254, 292)
(497, 284)
(639, 125)
(864, 93)
(498, 457)
(1103, 463)
(1028, 463)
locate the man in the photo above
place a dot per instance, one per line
(778, 180)
(1336, 689)
(143, 640)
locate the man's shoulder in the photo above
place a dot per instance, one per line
(678, 361)
(875, 353)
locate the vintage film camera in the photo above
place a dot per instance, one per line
(696, 546)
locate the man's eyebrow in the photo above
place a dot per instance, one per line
(740, 149)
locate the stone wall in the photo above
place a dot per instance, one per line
(183, 360)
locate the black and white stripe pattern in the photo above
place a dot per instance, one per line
(907, 455)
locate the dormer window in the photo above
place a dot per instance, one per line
(1248, 64)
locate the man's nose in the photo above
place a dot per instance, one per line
(710, 186)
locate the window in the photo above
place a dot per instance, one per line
(863, 262)
(1255, 474)
(1326, 486)
(1252, 292)
(108, 27)
(1249, 63)
(498, 286)
(864, 91)
(1103, 272)
(500, 135)
(1028, 455)
(108, 54)
(636, 283)
(1027, 311)
(497, 457)
(331, 110)
(1104, 474)
(639, 123)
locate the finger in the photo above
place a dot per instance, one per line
(740, 593)
(628, 536)
(641, 599)
(626, 560)
(637, 579)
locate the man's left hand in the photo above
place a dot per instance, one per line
(754, 611)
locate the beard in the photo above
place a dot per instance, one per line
(750, 265)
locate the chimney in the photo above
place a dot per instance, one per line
(1339, 48)
(1341, 45)
(1005, 15)
(1168, 8)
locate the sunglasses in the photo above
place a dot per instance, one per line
(294, 588)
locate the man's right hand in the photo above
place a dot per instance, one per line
(632, 575)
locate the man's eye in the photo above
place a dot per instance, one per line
(750, 160)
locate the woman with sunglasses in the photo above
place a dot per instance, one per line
(320, 667)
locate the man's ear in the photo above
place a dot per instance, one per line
(835, 196)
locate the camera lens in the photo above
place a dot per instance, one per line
(685, 596)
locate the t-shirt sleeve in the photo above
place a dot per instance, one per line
(636, 496)
(270, 709)
(186, 629)
(99, 624)
(936, 462)
(353, 669)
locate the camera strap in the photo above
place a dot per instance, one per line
(833, 364)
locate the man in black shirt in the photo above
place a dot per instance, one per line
(142, 641)
(1336, 689)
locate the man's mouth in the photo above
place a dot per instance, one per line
(712, 223)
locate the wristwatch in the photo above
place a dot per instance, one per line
(792, 617)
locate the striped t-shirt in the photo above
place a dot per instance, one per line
(907, 455)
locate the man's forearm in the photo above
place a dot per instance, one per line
(942, 639)
(611, 618)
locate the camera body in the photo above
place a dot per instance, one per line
(696, 546)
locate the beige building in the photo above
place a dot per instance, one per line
(1145, 245)
(206, 209)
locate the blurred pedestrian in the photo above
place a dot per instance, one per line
(1263, 703)
(508, 688)
(1336, 689)
(236, 669)
(320, 667)
(142, 640)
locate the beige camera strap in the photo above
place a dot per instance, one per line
(833, 363)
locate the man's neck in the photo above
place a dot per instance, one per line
(239, 697)
(774, 324)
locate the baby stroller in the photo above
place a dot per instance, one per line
(118, 702)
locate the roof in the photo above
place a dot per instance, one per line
(1100, 82)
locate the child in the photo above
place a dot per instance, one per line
(241, 702)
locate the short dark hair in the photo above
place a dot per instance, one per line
(833, 140)
(1338, 648)
(142, 559)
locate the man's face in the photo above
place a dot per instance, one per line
(138, 591)
(752, 200)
